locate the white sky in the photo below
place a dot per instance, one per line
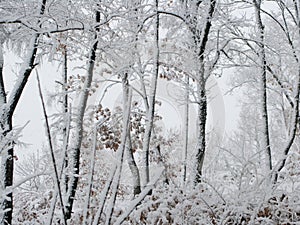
(29, 107)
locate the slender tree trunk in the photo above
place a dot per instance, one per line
(133, 167)
(7, 168)
(78, 129)
(7, 110)
(104, 195)
(263, 88)
(2, 88)
(7, 162)
(186, 129)
(202, 116)
(200, 39)
(91, 178)
(65, 134)
(150, 112)
(57, 177)
(295, 116)
(127, 97)
(65, 109)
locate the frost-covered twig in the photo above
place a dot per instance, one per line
(16, 185)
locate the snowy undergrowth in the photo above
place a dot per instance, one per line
(234, 192)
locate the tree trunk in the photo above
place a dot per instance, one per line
(65, 132)
(133, 168)
(295, 116)
(186, 129)
(200, 39)
(202, 116)
(127, 97)
(263, 89)
(78, 129)
(151, 110)
(7, 111)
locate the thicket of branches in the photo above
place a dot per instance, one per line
(119, 165)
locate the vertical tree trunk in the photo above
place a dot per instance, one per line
(200, 39)
(74, 156)
(263, 88)
(186, 129)
(2, 88)
(7, 154)
(133, 167)
(48, 133)
(202, 116)
(65, 109)
(295, 116)
(127, 97)
(130, 158)
(151, 99)
(7, 111)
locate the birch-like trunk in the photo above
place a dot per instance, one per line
(7, 151)
(135, 26)
(90, 178)
(7, 167)
(263, 88)
(127, 97)
(2, 89)
(65, 132)
(48, 133)
(150, 113)
(133, 167)
(74, 155)
(202, 116)
(186, 129)
(295, 115)
(200, 39)
(8, 107)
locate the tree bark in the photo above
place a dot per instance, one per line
(295, 116)
(133, 168)
(186, 129)
(151, 109)
(78, 129)
(127, 97)
(263, 88)
(200, 39)
(7, 110)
